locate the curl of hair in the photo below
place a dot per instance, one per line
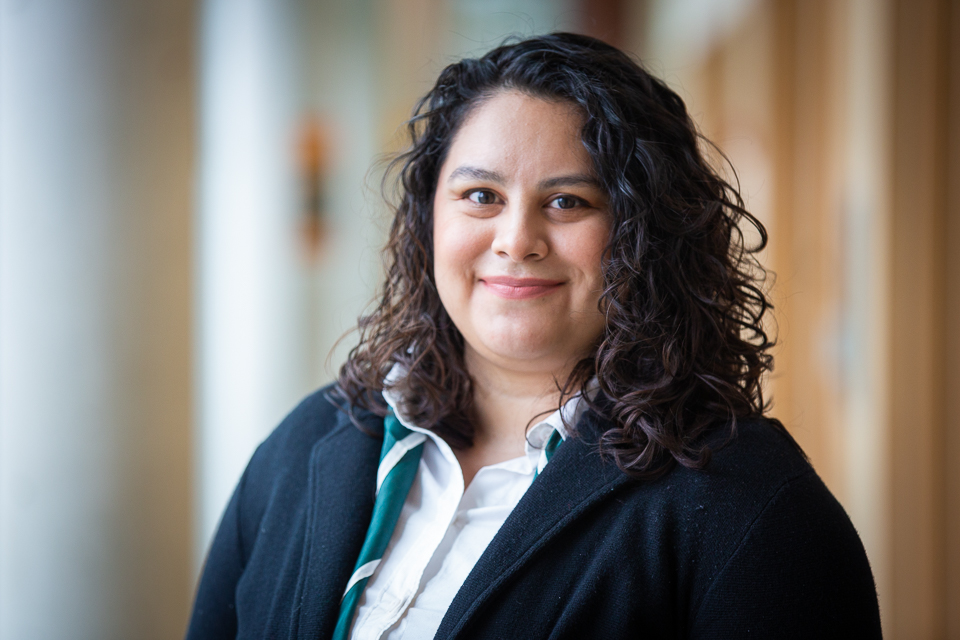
(684, 347)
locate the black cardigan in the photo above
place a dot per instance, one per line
(753, 546)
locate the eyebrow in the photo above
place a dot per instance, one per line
(476, 173)
(577, 180)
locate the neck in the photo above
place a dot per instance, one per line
(505, 400)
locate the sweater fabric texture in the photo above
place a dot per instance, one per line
(753, 546)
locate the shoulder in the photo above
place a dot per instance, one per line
(713, 507)
(758, 477)
(277, 475)
(751, 461)
(314, 417)
(763, 541)
(255, 553)
(317, 416)
(796, 560)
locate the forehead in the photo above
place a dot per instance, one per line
(518, 133)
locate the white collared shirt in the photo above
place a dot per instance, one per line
(443, 530)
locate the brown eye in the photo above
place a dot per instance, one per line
(483, 197)
(566, 202)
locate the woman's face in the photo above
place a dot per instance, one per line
(519, 228)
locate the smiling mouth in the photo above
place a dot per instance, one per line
(520, 288)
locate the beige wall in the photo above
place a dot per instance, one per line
(96, 148)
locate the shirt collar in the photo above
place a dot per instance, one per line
(568, 414)
(395, 400)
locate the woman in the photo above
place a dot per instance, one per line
(553, 423)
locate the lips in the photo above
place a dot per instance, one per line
(520, 288)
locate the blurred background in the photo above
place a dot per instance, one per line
(190, 219)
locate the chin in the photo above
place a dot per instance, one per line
(513, 335)
(526, 353)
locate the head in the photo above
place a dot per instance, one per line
(520, 224)
(666, 298)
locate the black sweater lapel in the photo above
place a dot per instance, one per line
(576, 479)
(344, 464)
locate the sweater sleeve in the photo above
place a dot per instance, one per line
(799, 572)
(214, 610)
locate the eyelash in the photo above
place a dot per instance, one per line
(577, 202)
(469, 196)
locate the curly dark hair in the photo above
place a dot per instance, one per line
(684, 348)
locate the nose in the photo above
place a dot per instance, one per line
(520, 234)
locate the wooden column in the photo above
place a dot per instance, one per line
(923, 367)
(804, 250)
(951, 449)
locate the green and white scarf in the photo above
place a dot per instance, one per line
(399, 460)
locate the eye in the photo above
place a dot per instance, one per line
(567, 202)
(482, 196)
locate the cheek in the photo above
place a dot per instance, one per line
(458, 243)
(584, 249)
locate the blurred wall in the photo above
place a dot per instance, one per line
(841, 119)
(251, 356)
(96, 148)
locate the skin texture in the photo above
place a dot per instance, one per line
(520, 225)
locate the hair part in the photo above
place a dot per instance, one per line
(684, 349)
